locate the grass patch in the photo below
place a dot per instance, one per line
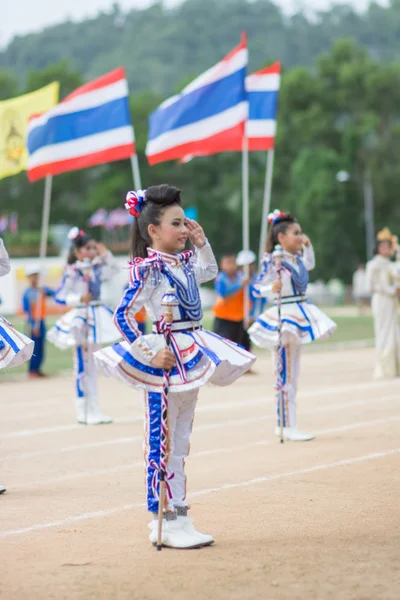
(349, 329)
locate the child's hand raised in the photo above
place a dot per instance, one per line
(196, 233)
(102, 249)
(306, 240)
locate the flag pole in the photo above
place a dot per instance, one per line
(266, 202)
(136, 172)
(245, 220)
(45, 216)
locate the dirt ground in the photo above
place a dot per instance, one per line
(316, 520)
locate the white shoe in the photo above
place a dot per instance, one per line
(173, 536)
(188, 527)
(292, 434)
(97, 418)
(2, 489)
(81, 410)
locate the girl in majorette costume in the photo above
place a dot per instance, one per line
(301, 321)
(15, 347)
(90, 323)
(159, 235)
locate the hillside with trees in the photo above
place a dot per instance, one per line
(338, 110)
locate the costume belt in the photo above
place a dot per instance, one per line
(161, 327)
(92, 303)
(176, 326)
(293, 299)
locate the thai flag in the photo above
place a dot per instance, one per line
(207, 117)
(89, 127)
(262, 89)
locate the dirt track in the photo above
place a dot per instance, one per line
(300, 521)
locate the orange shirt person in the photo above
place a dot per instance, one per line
(229, 306)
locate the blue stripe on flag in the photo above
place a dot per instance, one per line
(262, 105)
(207, 101)
(75, 125)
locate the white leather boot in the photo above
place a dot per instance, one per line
(95, 416)
(82, 411)
(174, 536)
(187, 526)
(292, 434)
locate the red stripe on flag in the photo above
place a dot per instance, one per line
(274, 68)
(100, 82)
(267, 143)
(82, 162)
(243, 44)
(226, 141)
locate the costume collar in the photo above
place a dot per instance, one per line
(169, 259)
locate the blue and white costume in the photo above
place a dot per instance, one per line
(301, 321)
(85, 328)
(15, 347)
(201, 356)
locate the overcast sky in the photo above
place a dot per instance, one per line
(23, 16)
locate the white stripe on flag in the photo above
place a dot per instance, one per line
(261, 128)
(263, 83)
(220, 70)
(82, 146)
(114, 91)
(199, 130)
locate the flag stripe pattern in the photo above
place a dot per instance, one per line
(90, 127)
(207, 117)
(262, 88)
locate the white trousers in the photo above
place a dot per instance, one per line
(181, 408)
(87, 404)
(290, 377)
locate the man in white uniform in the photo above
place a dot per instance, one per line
(383, 278)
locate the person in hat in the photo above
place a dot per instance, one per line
(383, 280)
(247, 258)
(34, 306)
(229, 307)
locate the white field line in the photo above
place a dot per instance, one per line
(206, 427)
(366, 385)
(226, 486)
(217, 451)
(217, 406)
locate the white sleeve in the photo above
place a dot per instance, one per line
(66, 293)
(263, 285)
(204, 264)
(110, 267)
(5, 266)
(373, 285)
(135, 296)
(309, 257)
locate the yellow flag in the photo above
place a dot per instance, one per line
(14, 118)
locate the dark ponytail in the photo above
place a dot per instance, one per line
(158, 198)
(281, 225)
(78, 242)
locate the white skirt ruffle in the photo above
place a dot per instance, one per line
(302, 323)
(93, 325)
(205, 356)
(15, 347)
